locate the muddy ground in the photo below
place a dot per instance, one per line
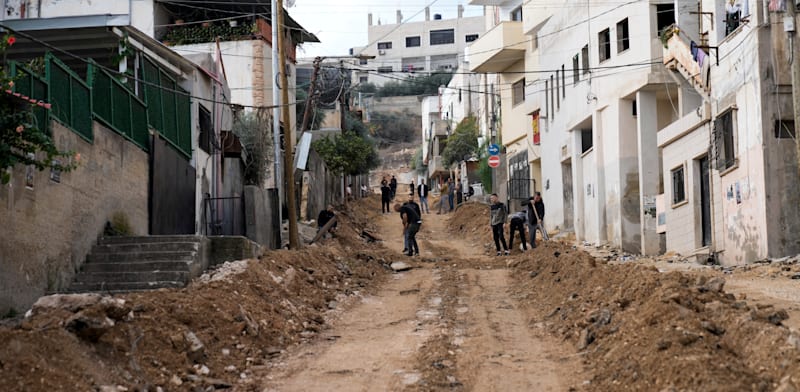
(334, 317)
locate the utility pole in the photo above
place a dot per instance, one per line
(310, 98)
(288, 156)
(789, 22)
(276, 122)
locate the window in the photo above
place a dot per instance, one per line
(471, 37)
(206, 130)
(385, 69)
(384, 45)
(516, 14)
(563, 82)
(678, 185)
(634, 109)
(585, 59)
(732, 20)
(723, 141)
(412, 42)
(558, 90)
(784, 129)
(518, 92)
(623, 36)
(552, 98)
(363, 79)
(363, 61)
(587, 141)
(575, 64)
(604, 45)
(665, 16)
(547, 97)
(442, 37)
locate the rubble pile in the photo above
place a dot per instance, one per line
(640, 329)
(212, 334)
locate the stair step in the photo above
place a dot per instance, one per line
(149, 239)
(146, 247)
(141, 256)
(133, 277)
(140, 266)
(121, 287)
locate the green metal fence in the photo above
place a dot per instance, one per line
(70, 97)
(118, 107)
(28, 84)
(168, 106)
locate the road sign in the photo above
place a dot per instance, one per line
(494, 149)
(494, 161)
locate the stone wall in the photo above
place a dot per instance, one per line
(49, 228)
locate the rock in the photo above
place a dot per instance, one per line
(775, 317)
(712, 327)
(600, 317)
(795, 276)
(112, 388)
(399, 266)
(714, 285)
(196, 351)
(226, 352)
(786, 385)
(332, 305)
(69, 302)
(587, 337)
(175, 380)
(88, 326)
(231, 369)
(273, 351)
(663, 345)
(290, 275)
(533, 274)
(688, 338)
(202, 370)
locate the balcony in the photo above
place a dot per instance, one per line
(441, 128)
(678, 57)
(499, 48)
(436, 166)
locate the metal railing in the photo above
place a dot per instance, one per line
(224, 215)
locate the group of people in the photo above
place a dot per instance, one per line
(532, 217)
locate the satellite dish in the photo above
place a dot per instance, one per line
(290, 3)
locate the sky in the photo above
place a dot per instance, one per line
(341, 25)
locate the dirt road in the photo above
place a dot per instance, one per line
(451, 324)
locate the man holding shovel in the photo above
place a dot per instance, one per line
(536, 218)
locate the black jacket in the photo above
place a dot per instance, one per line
(539, 205)
(386, 193)
(422, 190)
(324, 217)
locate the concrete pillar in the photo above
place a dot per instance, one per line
(427, 13)
(647, 124)
(369, 19)
(460, 11)
(399, 17)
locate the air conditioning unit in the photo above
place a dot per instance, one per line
(381, 52)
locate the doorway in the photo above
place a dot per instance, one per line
(569, 205)
(705, 202)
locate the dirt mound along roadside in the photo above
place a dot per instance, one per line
(471, 220)
(211, 333)
(640, 329)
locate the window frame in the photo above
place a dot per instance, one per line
(452, 37)
(384, 45)
(515, 15)
(585, 66)
(726, 142)
(679, 194)
(623, 36)
(576, 76)
(518, 92)
(473, 36)
(419, 41)
(604, 45)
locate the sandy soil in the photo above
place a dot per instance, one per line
(335, 317)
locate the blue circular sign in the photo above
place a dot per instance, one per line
(494, 149)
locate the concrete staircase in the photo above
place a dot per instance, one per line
(123, 264)
(678, 57)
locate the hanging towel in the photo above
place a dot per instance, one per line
(701, 57)
(693, 48)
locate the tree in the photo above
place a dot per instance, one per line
(395, 127)
(249, 127)
(22, 140)
(348, 153)
(417, 163)
(463, 143)
(412, 85)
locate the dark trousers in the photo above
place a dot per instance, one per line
(385, 205)
(517, 225)
(497, 233)
(411, 234)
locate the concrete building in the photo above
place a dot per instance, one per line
(402, 49)
(729, 161)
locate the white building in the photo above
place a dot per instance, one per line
(405, 48)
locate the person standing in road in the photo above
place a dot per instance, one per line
(411, 203)
(386, 197)
(497, 220)
(536, 218)
(443, 200)
(411, 224)
(422, 191)
(459, 192)
(411, 188)
(451, 193)
(393, 186)
(518, 220)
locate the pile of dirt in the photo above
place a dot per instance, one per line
(640, 329)
(471, 220)
(214, 333)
